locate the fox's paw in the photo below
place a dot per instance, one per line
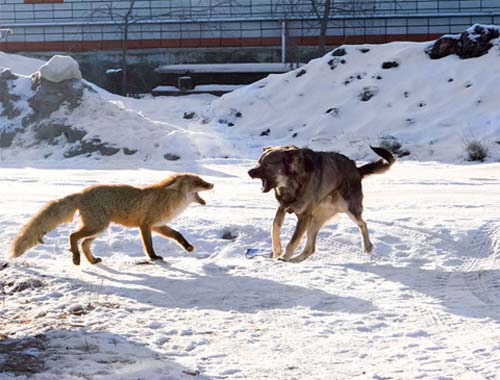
(76, 259)
(96, 260)
(189, 248)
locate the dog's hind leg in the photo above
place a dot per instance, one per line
(312, 233)
(277, 224)
(355, 214)
(302, 226)
(175, 235)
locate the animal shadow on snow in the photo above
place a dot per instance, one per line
(87, 354)
(473, 294)
(216, 289)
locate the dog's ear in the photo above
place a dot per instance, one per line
(293, 161)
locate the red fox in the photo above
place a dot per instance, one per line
(148, 208)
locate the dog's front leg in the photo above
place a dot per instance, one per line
(277, 224)
(302, 226)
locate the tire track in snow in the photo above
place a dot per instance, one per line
(477, 272)
(429, 315)
(474, 284)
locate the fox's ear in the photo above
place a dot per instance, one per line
(172, 183)
(266, 148)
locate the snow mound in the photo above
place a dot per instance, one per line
(60, 68)
(20, 64)
(53, 113)
(392, 95)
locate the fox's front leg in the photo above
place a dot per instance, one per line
(175, 235)
(277, 224)
(147, 240)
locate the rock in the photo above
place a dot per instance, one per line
(389, 65)
(474, 42)
(265, 132)
(129, 152)
(60, 68)
(230, 235)
(189, 115)
(50, 96)
(391, 144)
(7, 100)
(367, 93)
(339, 52)
(300, 73)
(171, 157)
(51, 131)
(90, 146)
(443, 47)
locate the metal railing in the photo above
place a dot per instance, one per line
(96, 25)
(95, 11)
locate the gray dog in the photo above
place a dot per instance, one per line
(314, 186)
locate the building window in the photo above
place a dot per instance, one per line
(42, 1)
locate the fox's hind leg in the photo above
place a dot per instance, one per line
(88, 253)
(90, 234)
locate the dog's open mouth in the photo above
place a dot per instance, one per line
(266, 185)
(199, 199)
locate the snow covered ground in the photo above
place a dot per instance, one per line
(425, 305)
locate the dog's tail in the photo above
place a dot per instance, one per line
(49, 217)
(379, 166)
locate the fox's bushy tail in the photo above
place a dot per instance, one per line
(379, 166)
(49, 217)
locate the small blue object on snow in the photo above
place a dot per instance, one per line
(252, 252)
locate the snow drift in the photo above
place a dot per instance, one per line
(396, 95)
(392, 94)
(53, 113)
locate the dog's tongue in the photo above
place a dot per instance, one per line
(199, 199)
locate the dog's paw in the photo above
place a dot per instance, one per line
(296, 259)
(277, 254)
(157, 258)
(368, 248)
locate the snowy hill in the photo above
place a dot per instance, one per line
(361, 95)
(45, 118)
(392, 95)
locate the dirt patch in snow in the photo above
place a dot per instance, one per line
(24, 356)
